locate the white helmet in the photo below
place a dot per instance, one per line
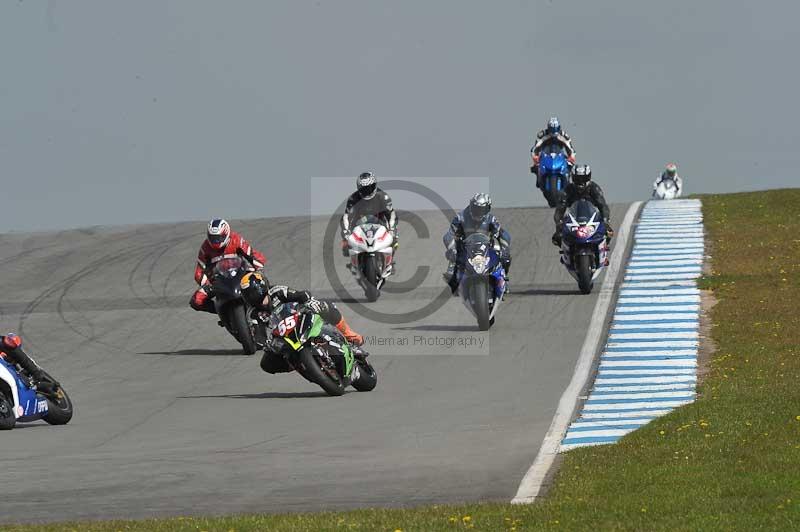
(219, 233)
(367, 185)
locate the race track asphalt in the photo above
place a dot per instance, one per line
(171, 419)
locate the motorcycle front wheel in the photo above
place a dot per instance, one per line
(311, 368)
(239, 323)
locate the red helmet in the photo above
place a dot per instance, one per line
(219, 233)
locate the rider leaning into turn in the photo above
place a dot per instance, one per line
(670, 172)
(551, 134)
(258, 292)
(581, 187)
(11, 350)
(475, 218)
(221, 243)
(368, 199)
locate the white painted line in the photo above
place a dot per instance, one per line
(682, 262)
(612, 415)
(666, 258)
(647, 380)
(534, 478)
(589, 408)
(665, 355)
(686, 387)
(652, 317)
(637, 253)
(659, 284)
(647, 371)
(665, 335)
(665, 394)
(599, 432)
(654, 343)
(633, 309)
(627, 300)
(618, 327)
(612, 423)
(677, 291)
(610, 364)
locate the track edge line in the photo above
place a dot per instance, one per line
(534, 480)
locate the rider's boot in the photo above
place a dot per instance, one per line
(451, 277)
(345, 248)
(349, 334)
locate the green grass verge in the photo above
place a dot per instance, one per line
(729, 461)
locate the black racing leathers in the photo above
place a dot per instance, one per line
(380, 205)
(18, 356)
(273, 361)
(572, 193)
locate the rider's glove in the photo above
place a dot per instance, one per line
(314, 304)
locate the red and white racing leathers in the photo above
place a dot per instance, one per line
(207, 257)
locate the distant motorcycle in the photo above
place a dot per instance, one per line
(19, 402)
(481, 282)
(554, 170)
(584, 247)
(371, 253)
(318, 351)
(666, 190)
(235, 314)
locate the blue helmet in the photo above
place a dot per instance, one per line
(553, 126)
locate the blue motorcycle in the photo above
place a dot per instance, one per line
(482, 281)
(554, 171)
(19, 402)
(584, 247)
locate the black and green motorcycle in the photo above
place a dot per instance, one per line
(318, 351)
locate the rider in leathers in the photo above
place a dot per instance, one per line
(552, 134)
(11, 349)
(475, 218)
(581, 187)
(266, 298)
(221, 242)
(368, 200)
(670, 172)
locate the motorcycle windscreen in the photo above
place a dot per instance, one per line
(368, 219)
(229, 266)
(583, 211)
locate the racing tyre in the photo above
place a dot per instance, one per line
(371, 277)
(311, 368)
(244, 333)
(7, 418)
(583, 267)
(480, 304)
(367, 377)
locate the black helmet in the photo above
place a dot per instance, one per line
(582, 175)
(479, 206)
(255, 288)
(367, 185)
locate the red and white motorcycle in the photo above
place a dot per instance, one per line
(371, 250)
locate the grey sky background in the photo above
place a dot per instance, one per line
(147, 111)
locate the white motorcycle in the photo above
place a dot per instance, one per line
(666, 190)
(371, 253)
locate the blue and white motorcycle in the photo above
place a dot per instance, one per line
(554, 171)
(482, 280)
(584, 246)
(19, 402)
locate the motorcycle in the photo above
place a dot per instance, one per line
(554, 171)
(371, 250)
(482, 281)
(318, 351)
(584, 247)
(20, 402)
(666, 190)
(235, 314)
